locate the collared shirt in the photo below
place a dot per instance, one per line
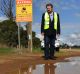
(51, 16)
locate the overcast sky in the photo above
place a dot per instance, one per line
(69, 12)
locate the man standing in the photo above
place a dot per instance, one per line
(50, 29)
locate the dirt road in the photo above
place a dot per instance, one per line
(15, 61)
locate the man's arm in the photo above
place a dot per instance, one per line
(42, 25)
(58, 25)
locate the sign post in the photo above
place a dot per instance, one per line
(30, 36)
(24, 14)
(19, 36)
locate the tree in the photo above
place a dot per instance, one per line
(36, 41)
(7, 8)
(9, 34)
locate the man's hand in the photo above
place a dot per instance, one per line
(57, 36)
(42, 34)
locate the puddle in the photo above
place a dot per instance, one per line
(71, 67)
(35, 69)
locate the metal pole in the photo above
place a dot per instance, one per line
(19, 35)
(31, 37)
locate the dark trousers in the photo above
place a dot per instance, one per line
(49, 42)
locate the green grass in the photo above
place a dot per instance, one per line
(5, 50)
(12, 50)
(60, 53)
(37, 50)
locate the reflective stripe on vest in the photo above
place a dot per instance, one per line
(47, 19)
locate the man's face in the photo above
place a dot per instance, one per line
(49, 9)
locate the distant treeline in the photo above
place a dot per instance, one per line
(9, 35)
(67, 46)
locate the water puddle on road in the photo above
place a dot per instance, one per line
(71, 67)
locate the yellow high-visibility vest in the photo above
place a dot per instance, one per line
(47, 19)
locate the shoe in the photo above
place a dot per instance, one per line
(52, 58)
(46, 58)
(55, 57)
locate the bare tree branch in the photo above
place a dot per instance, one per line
(7, 7)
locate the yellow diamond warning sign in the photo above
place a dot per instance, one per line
(23, 10)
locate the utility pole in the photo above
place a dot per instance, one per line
(29, 26)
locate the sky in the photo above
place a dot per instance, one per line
(69, 12)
